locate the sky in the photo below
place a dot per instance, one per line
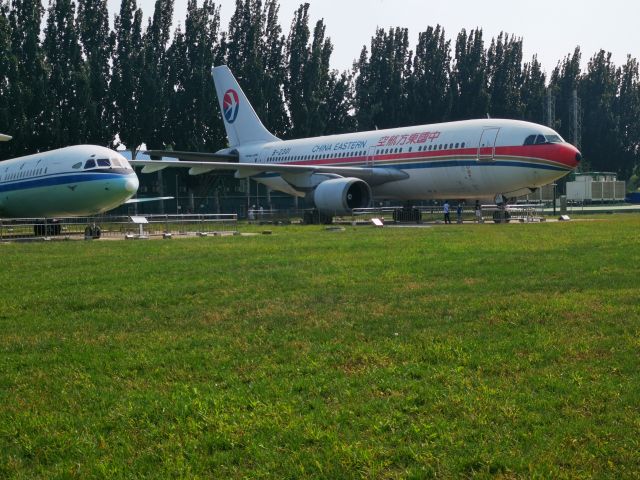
(550, 29)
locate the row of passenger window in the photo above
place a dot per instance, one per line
(324, 156)
(20, 174)
(382, 151)
(425, 148)
(444, 146)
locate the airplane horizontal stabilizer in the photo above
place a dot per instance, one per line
(151, 199)
(4, 138)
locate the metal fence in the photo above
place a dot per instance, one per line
(108, 226)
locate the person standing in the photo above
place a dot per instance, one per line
(459, 213)
(478, 211)
(445, 208)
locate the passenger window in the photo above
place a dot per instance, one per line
(90, 164)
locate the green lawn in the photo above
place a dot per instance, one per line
(451, 351)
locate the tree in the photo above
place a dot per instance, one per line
(30, 83)
(297, 57)
(192, 112)
(469, 77)
(125, 88)
(155, 91)
(243, 47)
(564, 80)
(628, 113)
(429, 98)
(316, 82)
(307, 86)
(533, 91)
(97, 43)
(8, 73)
(274, 114)
(598, 88)
(504, 70)
(339, 104)
(68, 94)
(381, 80)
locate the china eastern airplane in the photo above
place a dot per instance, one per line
(81, 180)
(469, 159)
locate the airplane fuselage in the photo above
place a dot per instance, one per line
(74, 181)
(465, 159)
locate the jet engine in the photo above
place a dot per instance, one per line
(339, 196)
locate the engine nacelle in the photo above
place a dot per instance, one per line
(339, 196)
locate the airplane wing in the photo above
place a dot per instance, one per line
(372, 175)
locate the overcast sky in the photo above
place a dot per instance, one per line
(550, 29)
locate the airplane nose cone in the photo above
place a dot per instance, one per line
(131, 184)
(578, 157)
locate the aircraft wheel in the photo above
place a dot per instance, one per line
(501, 216)
(92, 232)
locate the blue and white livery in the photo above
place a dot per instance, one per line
(81, 180)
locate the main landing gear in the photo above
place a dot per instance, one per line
(50, 228)
(314, 217)
(407, 214)
(501, 214)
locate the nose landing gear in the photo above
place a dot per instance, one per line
(92, 232)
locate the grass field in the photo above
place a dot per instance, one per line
(452, 351)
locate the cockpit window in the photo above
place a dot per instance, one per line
(90, 164)
(77, 165)
(542, 139)
(103, 162)
(554, 138)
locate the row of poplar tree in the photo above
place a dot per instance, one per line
(80, 81)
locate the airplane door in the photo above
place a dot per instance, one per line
(487, 145)
(370, 155)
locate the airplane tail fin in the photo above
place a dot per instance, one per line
(4, 138)
(240, 119)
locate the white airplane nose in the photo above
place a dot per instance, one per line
(131, 184)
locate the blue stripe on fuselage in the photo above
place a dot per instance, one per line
(58, 179)
(474, 163)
